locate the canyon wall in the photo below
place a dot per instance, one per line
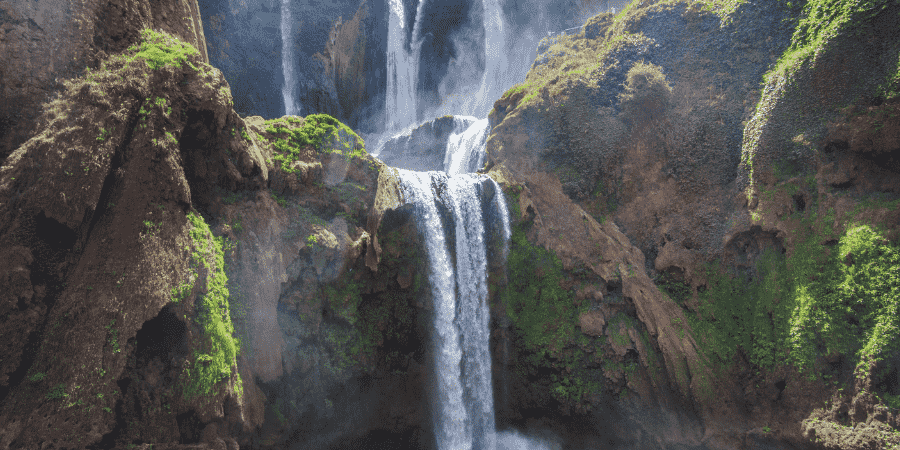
(45, 42)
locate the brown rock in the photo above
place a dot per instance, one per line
(592, 323)
(47, 41)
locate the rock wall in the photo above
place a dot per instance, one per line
(182, 277)
(43, 43)
(651, 121)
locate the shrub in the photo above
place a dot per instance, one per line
(647, 93)
(216, 358)
(160, 49)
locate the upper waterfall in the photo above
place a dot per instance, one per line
(287, 61)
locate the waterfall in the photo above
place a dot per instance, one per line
(454, 201)
(493, 81)
(287, 60)
(465, 147)
(402, 70)
(464, 402)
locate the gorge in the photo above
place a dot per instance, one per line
(479, 224)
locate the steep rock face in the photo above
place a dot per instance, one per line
(43, 43)
(245, 41)
(645, 121)
(330, 315)
(110, 269)
(99, 227)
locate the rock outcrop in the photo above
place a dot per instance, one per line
(713, 184)
(183, 277)
(45, 42)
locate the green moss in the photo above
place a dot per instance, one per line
(647, 93)
(161, 49)
(676, 290)
(282, 202)
(821, 20)
(216, 357)
(890, 89)
(58, 392)
(317, 129)
(539, 308)
(544, 316)
(722, 8)
(815, 301)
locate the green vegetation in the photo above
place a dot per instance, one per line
(647, 93)
(161, 49)
(316, 131)
(57, 392)
(113, 336)
(372, 322)
(819, 300)
(282, 202)
(37, 377)
(676, 290)
(231, 198)
(890, 89)
(821, 20)
(216, 358)
(104, 134)
(307, 216)
(544, 315)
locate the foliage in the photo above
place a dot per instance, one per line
(316, 131)
(113, 336)
(58, 392)
(646, 93)
(216, 358)
(282, 202)
(544, 315)
(821, 20)
(676, 290)
(37, 377)
(160, 49)
(816, 301)
(890, 89)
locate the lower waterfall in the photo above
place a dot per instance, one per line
(467, 207)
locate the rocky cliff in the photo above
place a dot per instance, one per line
(717, 143)
(45, 42)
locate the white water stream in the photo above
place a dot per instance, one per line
(287, 61)
(464, 397)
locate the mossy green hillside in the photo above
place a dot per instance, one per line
(834, 293)
(820, 22)
(217, 354)
(315, 130)
(586, 61)
(544, 315)
(829, 36)
(161, 49)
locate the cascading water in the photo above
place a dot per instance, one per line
(464, 405)
(402, 70)
(287, 60)
(465, 149)
(493, 81)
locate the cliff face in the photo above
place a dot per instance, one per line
(736, 199)
(180, 276)
(43, 43)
